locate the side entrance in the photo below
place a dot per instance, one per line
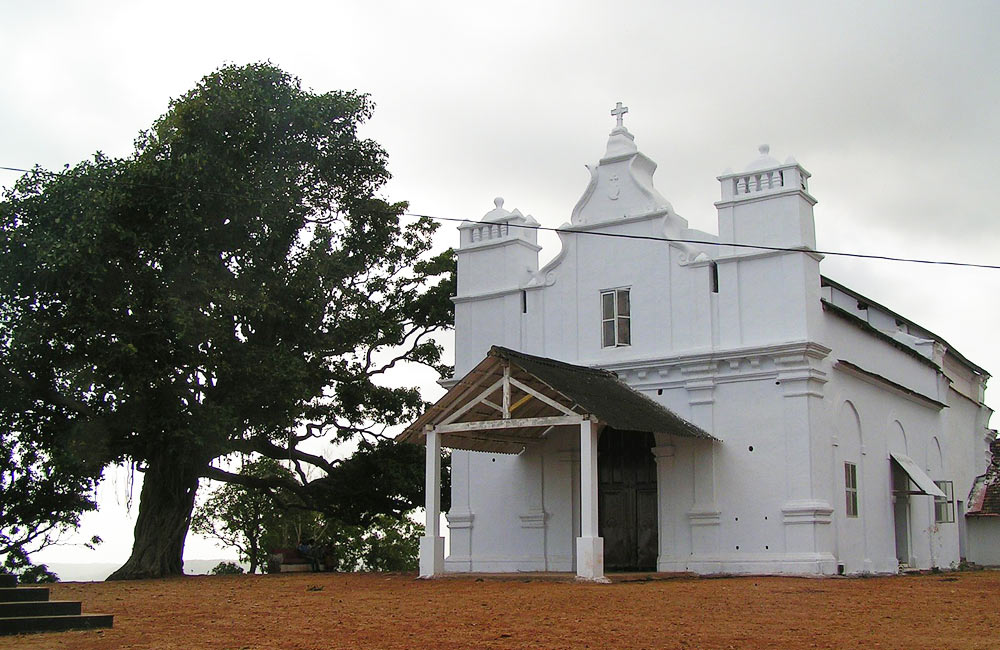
(627, 500)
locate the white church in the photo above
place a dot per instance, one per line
(657, 398)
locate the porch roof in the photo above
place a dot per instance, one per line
(924, 483)
(512, 400)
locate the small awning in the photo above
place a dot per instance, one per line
(512, 400)
(920, 479)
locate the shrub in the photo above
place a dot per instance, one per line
(227, 569)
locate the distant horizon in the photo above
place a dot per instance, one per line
(99, 571)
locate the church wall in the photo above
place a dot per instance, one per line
(496, 265)
(864, 350)
(524, 509)
(852, 533)
(765, 299)
(675, 476)
(562, 499)
(962, 443)
(750, 484)
(771, 219)
(688, 307)
(671, 306)
(743, 411)
(495, 320)
(497, 500)
(888, 423)
(962, 381)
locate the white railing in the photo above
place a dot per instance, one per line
(489, 231)
(759, 182)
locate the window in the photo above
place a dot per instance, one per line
(944, 507)
(851, 488)
(616, 325)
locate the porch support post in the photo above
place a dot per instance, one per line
(589, 546)
(432, 544)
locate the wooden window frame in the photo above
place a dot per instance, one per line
(944, 507)
(616, 323)
(851, 488)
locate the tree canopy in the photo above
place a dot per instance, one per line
(236, 285)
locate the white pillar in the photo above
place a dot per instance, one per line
(432, 544)
(589, 546)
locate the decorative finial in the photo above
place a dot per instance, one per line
(764, 149)
(619, 112)
(498, 202)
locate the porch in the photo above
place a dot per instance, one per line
(511, 402)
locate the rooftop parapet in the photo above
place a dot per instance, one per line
(498, 225)
(762, 176)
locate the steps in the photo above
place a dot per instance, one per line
(28, 609)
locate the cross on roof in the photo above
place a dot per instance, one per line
(619, 111)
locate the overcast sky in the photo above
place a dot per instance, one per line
(892, 106)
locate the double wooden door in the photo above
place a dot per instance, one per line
(627, 500)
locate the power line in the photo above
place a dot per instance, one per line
(715, 243)
(700, 242)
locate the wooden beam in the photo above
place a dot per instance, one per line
(534, 393)
(506, 390)
(512, 423)
(519, 403)
(472, 403)
(493, 405)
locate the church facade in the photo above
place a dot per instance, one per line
(817, 431)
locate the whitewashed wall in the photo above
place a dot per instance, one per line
(753, 363)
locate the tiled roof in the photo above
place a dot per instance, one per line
(984, 498)
(562, 388)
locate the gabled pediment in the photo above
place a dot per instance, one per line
(511, 400)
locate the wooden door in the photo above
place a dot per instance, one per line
(627, 500)
(901, 512)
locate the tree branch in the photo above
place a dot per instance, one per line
(267, 448)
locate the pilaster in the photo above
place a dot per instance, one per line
(664, 456)
(533, 519)
(806, 512)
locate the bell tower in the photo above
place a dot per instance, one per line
(497, 256)
(767, 296)
(768, 203)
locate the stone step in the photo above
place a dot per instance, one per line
(40, 608)
(7, 580)
(21, 624)
(21, 594)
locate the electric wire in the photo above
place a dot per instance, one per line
(800, 249)
(575, 231)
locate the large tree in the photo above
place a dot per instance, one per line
(236, 285)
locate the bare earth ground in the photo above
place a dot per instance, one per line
(948, 610)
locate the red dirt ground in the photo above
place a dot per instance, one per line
(948, 610)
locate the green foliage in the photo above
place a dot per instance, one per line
(227, 569)
(381, 478)
(386, 544)
(236, 285)
(36, 574)
(41, 495)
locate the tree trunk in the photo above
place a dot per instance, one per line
(254, 553)
(165, 505)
